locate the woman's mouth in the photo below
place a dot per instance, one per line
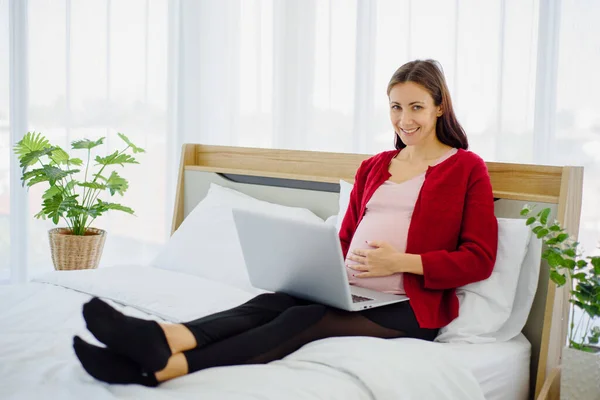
(409, 132)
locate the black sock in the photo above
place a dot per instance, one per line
(140, 340)
(110, 367)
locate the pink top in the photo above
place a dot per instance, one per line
(387, 218)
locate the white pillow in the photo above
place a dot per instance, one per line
(206, 243)
(526, 288)
(345, 190)
(332, 220)
(495, 309)
(485, 306)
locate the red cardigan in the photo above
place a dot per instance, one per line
(453, 228)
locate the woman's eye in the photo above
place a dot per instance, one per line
(417, 108)
(395, 107)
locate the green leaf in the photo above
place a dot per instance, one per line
(569, 263)
(51, 192)
(116, 158)
(537, 229)
(544, 216)
(589, 309)
(530, 220)
(552, 241)
(562, 237)
(59, 156)
(116, 184)
(586, 288)
(40, 215)
(557, 278)
(98, 176)
(34, 173)
(554, 228)
(115, 206)
(86, 143)
(71, 185)
(595, 260)
(92, 185)
(58, 205)
(555, 260)
(33, 157)
(580, 276)
(542, 233)
(525, 211)
(570, 252)
(37, 179)
(78, 210)
(54, 173)
(31, 142)
(546, 253)
(133, 146)
(582, 263)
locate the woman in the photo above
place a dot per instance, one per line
(420, 222)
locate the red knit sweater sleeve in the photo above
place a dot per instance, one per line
(350, 220)
(478, 241)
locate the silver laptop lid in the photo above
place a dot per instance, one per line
(303, 259)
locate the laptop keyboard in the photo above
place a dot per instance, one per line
(359, 299)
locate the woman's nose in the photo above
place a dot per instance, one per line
(404, 120)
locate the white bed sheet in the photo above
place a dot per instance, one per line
(502, 369)
(38, 320)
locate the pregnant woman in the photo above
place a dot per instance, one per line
(420, 222)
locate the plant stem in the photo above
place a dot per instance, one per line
(93, 194)
(68, 225)
(571, 330)
(93, 219)
(587, 329)
(579, 324)
(87, 165)
(86, 193)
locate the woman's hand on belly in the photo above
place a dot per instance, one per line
(383, 260)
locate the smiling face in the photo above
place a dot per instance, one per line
(413, 114)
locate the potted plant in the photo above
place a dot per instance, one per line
(580, 369)
(74, 195)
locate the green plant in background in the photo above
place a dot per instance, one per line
(567, 264)
(75, 201)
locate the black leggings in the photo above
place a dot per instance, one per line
(273, 325)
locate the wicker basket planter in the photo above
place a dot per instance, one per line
(71, 252)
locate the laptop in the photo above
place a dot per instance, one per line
(302, 259)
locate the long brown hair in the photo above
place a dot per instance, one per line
(428, 74)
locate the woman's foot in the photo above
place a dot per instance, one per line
(108, 366)
(140, 340)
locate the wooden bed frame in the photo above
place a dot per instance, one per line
(559, 188)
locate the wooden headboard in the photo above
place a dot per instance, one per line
(559, 188)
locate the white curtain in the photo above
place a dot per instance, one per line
(5, 155)
(308, 74)
(94, 68)
(313, 74)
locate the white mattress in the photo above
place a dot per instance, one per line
(502, 369)
(39, 319)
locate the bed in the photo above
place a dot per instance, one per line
(38, 319)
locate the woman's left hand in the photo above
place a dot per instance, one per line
(381, 261)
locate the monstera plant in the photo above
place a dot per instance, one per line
(73, 193)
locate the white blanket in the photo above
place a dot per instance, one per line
(38, 321)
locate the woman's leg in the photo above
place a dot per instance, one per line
(150, 344)
(276, 339)
(272, 341)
